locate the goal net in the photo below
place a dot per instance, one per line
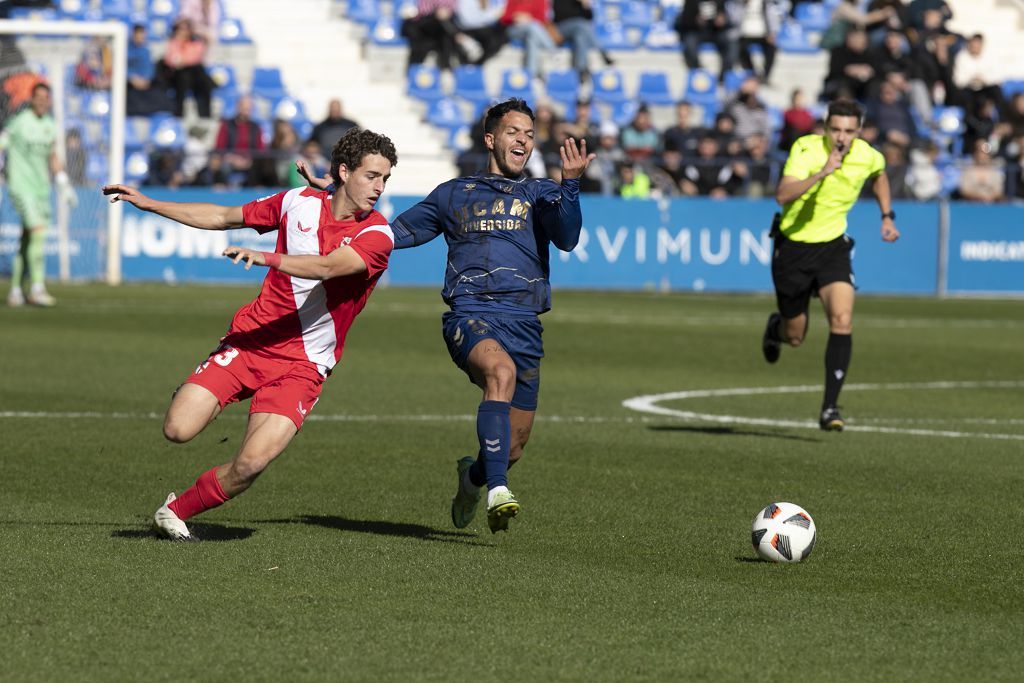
(83, 239)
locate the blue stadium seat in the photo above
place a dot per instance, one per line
(97, 104)
(446, 113)
(661, 36)
(813, 16)
(223, 103)
(653, 88)
(232, 32)
(288, 109)
(303, 128)
(365, 12)
(38, 13)
(424, 82)
(949, 126)
(608, 87)
(637, 14)
(387, 32)
(470, 85)
(734, 79)
(701, 88)
(1012, 86)
(516, 82)
(136, 166)
(136, 133)
(96, 169)
(224, 76)
(613, 36)
(267, 82)
(563, 86)
(793, 38)
(167, 132)
(623, 113)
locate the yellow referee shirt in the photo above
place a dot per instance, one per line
(819, 214)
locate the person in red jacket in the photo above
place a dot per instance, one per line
(528, 21)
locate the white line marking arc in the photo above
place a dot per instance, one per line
(649, 404)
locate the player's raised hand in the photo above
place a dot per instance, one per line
(250, 256)
(123, 193)
(321, 183)
(574, 159)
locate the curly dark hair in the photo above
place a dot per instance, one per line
(355, 144)
(845, 108)
(496, 113)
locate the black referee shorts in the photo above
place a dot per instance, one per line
(800, 269)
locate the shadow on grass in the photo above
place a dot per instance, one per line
(381, 528)
(204, 531)
(730, 431)
(752, 560)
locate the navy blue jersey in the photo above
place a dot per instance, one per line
(498, 231)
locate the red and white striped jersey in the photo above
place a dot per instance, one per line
(307, 320)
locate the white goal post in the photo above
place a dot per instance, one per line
(56, 63)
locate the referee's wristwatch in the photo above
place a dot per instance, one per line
(889, 214)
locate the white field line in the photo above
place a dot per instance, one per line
(649, 404)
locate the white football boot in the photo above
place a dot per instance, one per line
(167, 524)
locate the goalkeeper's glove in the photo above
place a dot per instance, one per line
(65, 193)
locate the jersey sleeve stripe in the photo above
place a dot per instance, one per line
(384, 229)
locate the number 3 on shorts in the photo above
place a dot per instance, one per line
(225, 357)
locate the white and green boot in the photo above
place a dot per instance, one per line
(502, 507)
(465, 501)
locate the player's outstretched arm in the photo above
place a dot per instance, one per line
(194, 214)
(883, 194)
(340, 262)
(321, 183)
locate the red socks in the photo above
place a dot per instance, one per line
(205, 494)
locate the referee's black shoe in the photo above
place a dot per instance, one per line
(770, 345)
(831, 420)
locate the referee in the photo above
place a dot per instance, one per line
(820, 183)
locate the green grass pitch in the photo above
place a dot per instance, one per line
(631, 559)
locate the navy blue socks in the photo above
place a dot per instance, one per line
(494, 431)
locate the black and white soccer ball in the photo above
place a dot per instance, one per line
(783, 532)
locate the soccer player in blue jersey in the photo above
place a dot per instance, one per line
(498, 225)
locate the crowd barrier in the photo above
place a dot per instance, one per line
(698, 244)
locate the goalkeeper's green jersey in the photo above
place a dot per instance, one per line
(819, 214)
(29, 143)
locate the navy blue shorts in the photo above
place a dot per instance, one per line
(520, 337)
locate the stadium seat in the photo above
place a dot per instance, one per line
(735, 78)
(516, 82)
(637, 14)
(97, 104)
(96, 169)
(608, 88)
(623, 113)
(446, 113)
(167, 132)
(1012, 86)
(701, 88)
(813, 16)
(470, 85)
(653, 88)
(661, 36)
(136, 166)
(793, 38)
(267, 81)
(224, 76)
(136, 133)
(613, 36)
(365, 12)
(949, 126)
(424, 82)
(287, 109)
(387, 32)
(223, 103)
(563, 86)
(232, 32)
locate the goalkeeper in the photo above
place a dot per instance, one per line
(29, 138)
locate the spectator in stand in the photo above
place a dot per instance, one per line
(1013, 154)
(634, 183)
(1013, 125)
(329, 131)
(847, 17)
(708, 174)
(665, 176)
(432, 30)
(546, 131)
(482, 33)
(724, 132)
(196, 153)
(141, 99)
(75, 158)
(755, 167)
(898, 20)
(982, 180)
(683, 135)
(527, 21)
(797, 121)
(749, 111)
(205, 17)
(165, 169)
(94, 66)
(891, 55)
(640, 140)
(981, 123)
(759, 24)
(603, 170)
(706, 21)
(891, 113)
(917, 9)
(850, 70)
(896, 169)
(972, 76)
(284, 149)
(583, 127)
(182, 69)
(239, 140)
(574, 20)
(216, 174)
(924, 179)
(931, 54)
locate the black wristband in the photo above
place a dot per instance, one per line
(889, 214)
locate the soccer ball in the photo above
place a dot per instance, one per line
(783, 532)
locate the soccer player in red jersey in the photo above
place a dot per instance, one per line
(331, 251)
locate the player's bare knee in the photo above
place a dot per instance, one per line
(502, 377)
(840, 324)
(176, 431)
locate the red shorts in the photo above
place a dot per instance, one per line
(283, 387)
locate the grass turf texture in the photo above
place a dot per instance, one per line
(630, 561)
